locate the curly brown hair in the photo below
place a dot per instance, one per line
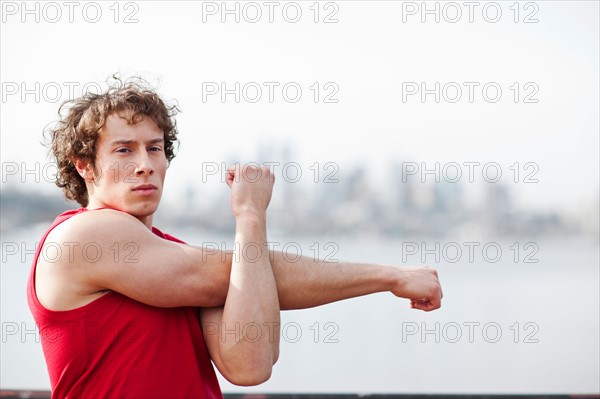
(76, 133)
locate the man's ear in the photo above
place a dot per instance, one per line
(84, 169)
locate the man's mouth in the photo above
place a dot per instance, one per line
(145, 188)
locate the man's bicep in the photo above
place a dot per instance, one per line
(138, 264)
(161, 274)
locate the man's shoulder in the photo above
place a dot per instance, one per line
(99, 224)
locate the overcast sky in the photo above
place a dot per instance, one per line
(369, 61)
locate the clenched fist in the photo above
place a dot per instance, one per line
(251, 189)
(421, 285)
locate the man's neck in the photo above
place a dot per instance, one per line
(146, 219)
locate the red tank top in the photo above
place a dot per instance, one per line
(116, 347)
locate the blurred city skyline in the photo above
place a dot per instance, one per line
(411, 198)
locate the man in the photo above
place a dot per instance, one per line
(118, 309)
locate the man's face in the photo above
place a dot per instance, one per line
(130, 167)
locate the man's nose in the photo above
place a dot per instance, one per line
(144, 165)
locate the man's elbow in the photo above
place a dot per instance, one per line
(250, 377)
(275, 354)
(250, 370)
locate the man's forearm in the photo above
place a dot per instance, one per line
(310, 282)
(251, 300)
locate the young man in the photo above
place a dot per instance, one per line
(127, 311)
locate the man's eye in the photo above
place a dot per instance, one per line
(155, 149)
(123, 150)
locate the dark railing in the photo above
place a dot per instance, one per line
(22, 394)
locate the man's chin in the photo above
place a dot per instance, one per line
(144, 209)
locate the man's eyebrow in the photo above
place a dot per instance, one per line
(127, 142)
(122, 142)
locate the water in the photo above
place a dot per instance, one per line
(505, 327)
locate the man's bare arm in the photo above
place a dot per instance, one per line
(111, 250)
(252, 293)
(308, 282)
(168, 274)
